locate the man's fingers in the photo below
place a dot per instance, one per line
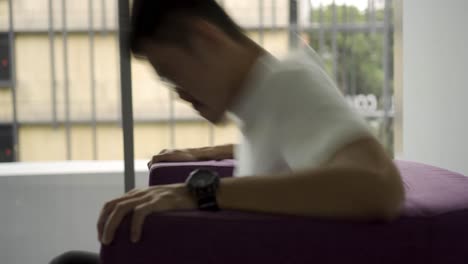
(155, 159)
(171, 156)
(139, 214)
(105, 212)
(164, 151)
(117, 215)
(104, 215)
(109, 207)
(133, 192)
(160, 157)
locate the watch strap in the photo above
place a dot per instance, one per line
(208, 203)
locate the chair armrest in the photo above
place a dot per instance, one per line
(176, 172)
(223, 237)
(240, 237)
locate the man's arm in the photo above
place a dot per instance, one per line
(194, 154)
(214, 153)
(360, 182)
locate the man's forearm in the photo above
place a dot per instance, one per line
(216, 152)
(328, 192)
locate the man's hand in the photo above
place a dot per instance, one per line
(141, 202)
(175, 155)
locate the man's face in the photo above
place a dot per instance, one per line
(199, 73)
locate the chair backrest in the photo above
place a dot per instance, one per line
(168, 173)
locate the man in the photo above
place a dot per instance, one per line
(303, 151)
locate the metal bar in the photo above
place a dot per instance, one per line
(386, 68)
(307, 11)
(368, 11)
(260, 22)
(126, 94)
(351, 16)
(53, 77)
(103, 17)
(334, 43)
(311, 13)
(345, 14)
(298, 21)
(293, 39)
(398, 78)
(111, 121)
(92, 78)
(351, 27)
(11, 38)
(356, 27)
(372, 17)
(172, 128)
(343, 60)
(321, 31)
(353, 74)
(5, 83)
(66, 80)
(148, 121)
(352, 69)
(273, 13)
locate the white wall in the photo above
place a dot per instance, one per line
(435, 83)
(47, 209)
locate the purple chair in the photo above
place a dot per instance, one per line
(432, 229)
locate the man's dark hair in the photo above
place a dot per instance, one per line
(150, 16)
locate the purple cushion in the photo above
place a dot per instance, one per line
(432, 230)
(431, 190)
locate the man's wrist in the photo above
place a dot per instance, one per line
(212, 153)
(206, 153)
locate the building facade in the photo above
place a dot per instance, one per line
(66, 59)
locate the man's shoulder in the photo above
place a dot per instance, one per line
(297, 66)
(297, 74)
(301, 61)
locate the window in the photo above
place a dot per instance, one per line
(6, 143)
(5, 65)
(73, 98)
(355, 42)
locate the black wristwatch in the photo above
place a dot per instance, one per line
(203, 184)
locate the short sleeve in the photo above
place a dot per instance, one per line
(315, 121)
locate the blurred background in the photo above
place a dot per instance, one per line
(61, 123)
(60, 83)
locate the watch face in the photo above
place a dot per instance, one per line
(203, 178)
(200, 182)
(203, 184)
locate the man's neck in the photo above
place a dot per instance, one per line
(252, 54)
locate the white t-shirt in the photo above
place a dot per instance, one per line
(292, 117)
